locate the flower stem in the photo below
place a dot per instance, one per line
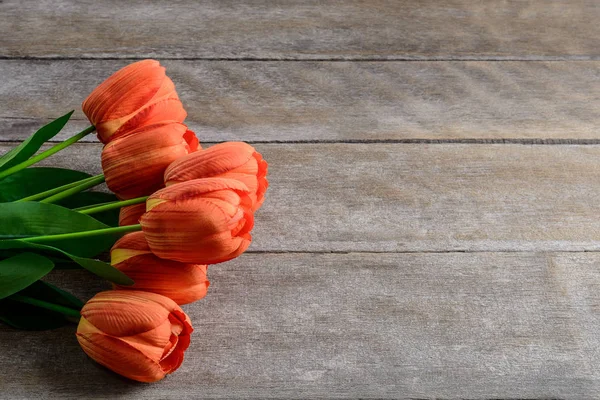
(47, 153)
(49, 306)
(113, 205)
(59, 189)
(83, 234)
(95, 205)
(91, 182)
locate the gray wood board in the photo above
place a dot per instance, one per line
(352, 29)
(452, 325)
(332, 101)
(418, 197)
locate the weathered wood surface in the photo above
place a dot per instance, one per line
(416, 197)
(333, 101)
(350, 29)
(378, 270)
(450, 325)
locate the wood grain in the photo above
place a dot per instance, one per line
(411, 197)
(332, 101)
(450, 325)
(352, 29)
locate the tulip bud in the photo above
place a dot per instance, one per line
(182, 283)
(201, 221)
(138, 95)
(134, 165)
(130, 215)
(139, 335)
(233, 160)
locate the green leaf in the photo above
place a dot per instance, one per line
(30, 181)
(29, 317)
(25, 219)
(33, 143)
(22, 270)
(100, 268)
(110, 217)
(52, 294)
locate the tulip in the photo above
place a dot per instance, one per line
(134, 165)
(139, 335)
(201, 221)
(130, 215)
(234, 160)
(182, 283)
(138, 95)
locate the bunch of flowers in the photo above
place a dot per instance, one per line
(175, 209)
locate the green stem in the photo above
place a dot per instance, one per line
(93, 181)
(95, 205)
(47, 153)
(113, 205)
(83, 234)
(49, 306)
(59, 189)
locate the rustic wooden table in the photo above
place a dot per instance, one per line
(432, 227)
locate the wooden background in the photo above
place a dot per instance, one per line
(432, 227)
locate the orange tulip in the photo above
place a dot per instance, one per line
(139, 335)
(234, 160)
(138, 95)
(201, 221)
(182, 283)
(134, 165)
(130, 215)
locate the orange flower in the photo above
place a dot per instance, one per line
(201, 221)
(138, 95)
(234, 160)
(130, 215)
(183, 283)
(134, 164)
(139, 335)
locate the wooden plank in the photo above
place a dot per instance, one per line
(333, 101)
(352, 29)
(407, 197)
(453, 325)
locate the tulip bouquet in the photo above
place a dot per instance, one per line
(174, 209)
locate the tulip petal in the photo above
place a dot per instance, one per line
(139, 94)
(202, 221)
(183, 283)
(119, 97)
(120, 357)
(142, 72)
(197, 187)
(173, 358)
(130, 215)
(232, 160)
(192, 141)
(153, 342)
(145, 355)
(211, 162)
(132, 241)
(126, 313)
(168, 110)
(134, 164)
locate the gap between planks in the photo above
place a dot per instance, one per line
(480, 141)
(315, 59)
(358, 252)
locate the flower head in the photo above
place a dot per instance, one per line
(139, 335)
(181, 282)
(137, 95)
(201, 221)
(233, 160)
(134, 164)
